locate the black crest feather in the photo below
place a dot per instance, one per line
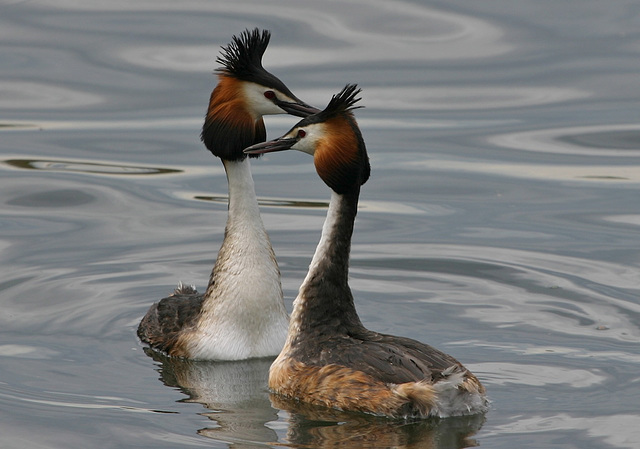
(342, 102)
(242, 58)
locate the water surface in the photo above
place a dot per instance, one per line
(500, 223)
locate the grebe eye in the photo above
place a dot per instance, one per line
(270, 95)
(301, 133)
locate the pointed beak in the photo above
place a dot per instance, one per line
(297, 108)
(279, 144)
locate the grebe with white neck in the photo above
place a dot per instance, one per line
(330, 359)
(241, 315)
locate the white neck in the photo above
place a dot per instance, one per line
(325, 298)
(299, 304)
(330, 223)
(243, 203)
(243, 306)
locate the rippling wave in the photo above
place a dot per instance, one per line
(86, 167)
(613, 430)
(562, 294)
(621, 140)
(435, 34)
(386, 207)
(500, 224)
(593, 173)
(421, 98)
(31, 95)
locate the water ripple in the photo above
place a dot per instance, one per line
(345, 38)
(31, 95)
(500, 373)
(516, 288)
(619, 430)
(592, 173)
(80, 125)
(528, 349)
(27, 352)
(386, 207)
(65, 400)
(621, 140)
(628, 219)
(86, 167)
(464, 98)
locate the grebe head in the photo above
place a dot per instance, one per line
(245, 92)
(265, 93)
(334, 140)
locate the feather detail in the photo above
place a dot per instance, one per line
(229, 127)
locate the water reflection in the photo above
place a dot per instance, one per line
(386, 207)
(272, 202)
(243, 411)
(500, 373)
(234, 392)
(316, 427)
(420, 98)
(21, 95)
(514, 288)
(86, 167)
(614, 430)
(621, 140)
(53, 198)
(164, 124)
(592, 173)
(344, 38)
(98, 95)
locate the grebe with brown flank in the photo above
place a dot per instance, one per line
(330, 359)
(241, 314)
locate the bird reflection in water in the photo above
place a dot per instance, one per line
(235, 394)
(318, 427)
(246, 415)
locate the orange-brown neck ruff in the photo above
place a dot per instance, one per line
(338, 158)
(229, 127)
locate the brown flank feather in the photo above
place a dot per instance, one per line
(343, 388)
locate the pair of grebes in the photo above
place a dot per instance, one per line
(325, 356)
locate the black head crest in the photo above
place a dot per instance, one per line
(242, 58)
(342, 102)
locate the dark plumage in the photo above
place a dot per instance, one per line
(386, 358)
(330, 359)
(170, 316)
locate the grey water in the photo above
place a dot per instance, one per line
(501, 222)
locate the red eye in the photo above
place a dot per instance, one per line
(301, 133)
(270, 95)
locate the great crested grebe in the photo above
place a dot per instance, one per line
(241, 314)
(330, 358)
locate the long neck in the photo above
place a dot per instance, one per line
(243, 202)
(325, 298)
(246, 251)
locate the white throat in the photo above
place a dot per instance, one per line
(243, 313)
(327, 227)
(319, 255)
